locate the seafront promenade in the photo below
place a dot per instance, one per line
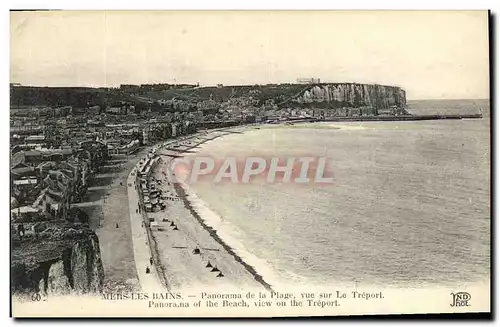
(149, 281)
(112, 224)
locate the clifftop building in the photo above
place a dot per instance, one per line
(310, 80)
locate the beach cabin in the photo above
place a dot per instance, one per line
(154, 225)
(149, 207)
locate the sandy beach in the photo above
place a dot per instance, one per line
(191, 254)
(180, 234)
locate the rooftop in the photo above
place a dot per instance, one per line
(35, 138)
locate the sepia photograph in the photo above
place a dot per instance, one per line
(249, 163)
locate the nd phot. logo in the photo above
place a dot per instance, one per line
(460, 299)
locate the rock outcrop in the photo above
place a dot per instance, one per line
(61, 260)
(354, 95)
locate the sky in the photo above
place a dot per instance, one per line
(431, 55)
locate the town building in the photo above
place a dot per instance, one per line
(93, 110)
(145, 136)
(35, 139)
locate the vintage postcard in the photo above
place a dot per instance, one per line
(249, 163)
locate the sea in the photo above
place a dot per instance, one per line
(409, 206)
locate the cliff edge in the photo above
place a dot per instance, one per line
(319, 95)
(354, 95)
(58, 260)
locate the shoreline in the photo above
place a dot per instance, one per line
(161, 270)
(183, 192)
(213, 233)
(182, 214)
(108, 241)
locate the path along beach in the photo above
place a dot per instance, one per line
(112, 224)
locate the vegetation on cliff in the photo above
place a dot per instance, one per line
(324, 95)
(58, 259)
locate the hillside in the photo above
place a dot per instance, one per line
(325, 95)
